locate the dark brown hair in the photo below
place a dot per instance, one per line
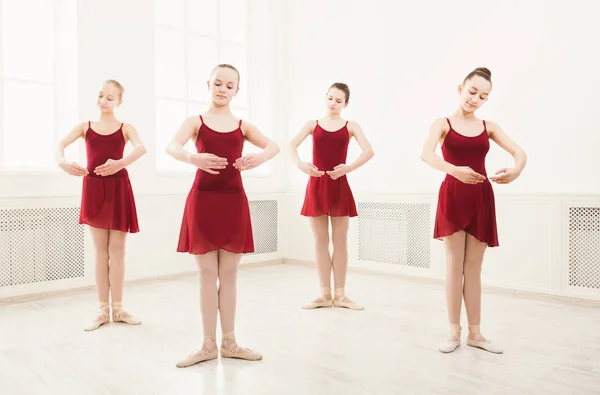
(343, 87)
(117, 85)
(482, 72)
(226, 66)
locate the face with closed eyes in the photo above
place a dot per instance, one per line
(335, 101)
(473, 93)
(108, 98)
(223, 85)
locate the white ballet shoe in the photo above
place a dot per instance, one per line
(484, 345)
(450, 345)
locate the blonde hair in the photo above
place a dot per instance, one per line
(117, 85)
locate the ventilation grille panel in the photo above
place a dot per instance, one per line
(396, 233)
(584, 247)
(264, 218)
(40, 245)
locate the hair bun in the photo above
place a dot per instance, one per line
(484, 70)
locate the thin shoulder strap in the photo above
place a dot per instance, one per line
(449, 124)
(122, 123)
(346, 124)
(240, 125)
(317, 121)
(89, 124)
(201, 120)
(484, 126)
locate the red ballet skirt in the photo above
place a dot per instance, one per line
(217, 214)
(325, 196)
(467, 207)
(107, 202)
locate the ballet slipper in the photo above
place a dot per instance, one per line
(120, 315)
(102, 318)
(230, 349)
(475, 339)
(205, 354)
(323, 301)
(453, 341)
(340, 300)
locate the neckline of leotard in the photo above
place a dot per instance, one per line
(334, 131)
(216, 131)
(465, 136)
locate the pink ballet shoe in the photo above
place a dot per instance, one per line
(340, 300)
(102, 318)
(324, 300)
(232, 350)
(120, 315)
(205, 354)
(453, 340)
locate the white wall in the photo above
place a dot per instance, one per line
(403, 63)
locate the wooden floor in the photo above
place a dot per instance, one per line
(551, 347)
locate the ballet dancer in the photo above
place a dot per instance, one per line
(216, 225)
(466, 214)
(107, 201)
(328, 195)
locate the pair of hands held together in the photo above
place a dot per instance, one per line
(110, 167)
(211, 163)
(469, 176)
(312, 170)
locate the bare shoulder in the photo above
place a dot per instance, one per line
(441, 126)
(127, 127)
(82, 128)
(248, 127)
(310, 125)
(492, 127)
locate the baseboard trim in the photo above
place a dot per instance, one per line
(488, 289)
(137, 281)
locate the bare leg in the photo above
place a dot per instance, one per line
(100, 239)
(228, 267)
(475, 251)
(208, 269)
(454, 246)
(339, 233)
(320, 228)
(116, 274)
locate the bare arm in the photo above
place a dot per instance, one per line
(187, 130)
(71, 167)
(306, 130)
(367, 150)
(504, 176)
(428, 155)
(75, 133)
(138, 148)
(256, 138)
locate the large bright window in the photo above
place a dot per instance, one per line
(38, 81)
(191, 37)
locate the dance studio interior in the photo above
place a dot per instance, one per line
(299, 197)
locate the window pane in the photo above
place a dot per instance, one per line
(203, 17)
(26, 144)
(232, 18)
(169, 12)
(28, 39)
(170, 114)
(169, 60)
(236, 55)
(202, 57)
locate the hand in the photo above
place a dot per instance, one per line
(338, 171)
(110, 167)
(467, 175)
(208, 162)
(310, 169)
(73, 169)
(249, 161)
(505, 176)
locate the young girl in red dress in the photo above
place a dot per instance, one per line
(216, 225)
(466, 216)
(107, 201)
(328, 195)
